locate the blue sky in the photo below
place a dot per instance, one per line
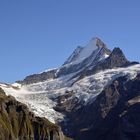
(39, 34)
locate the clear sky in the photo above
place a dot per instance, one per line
(39, 34)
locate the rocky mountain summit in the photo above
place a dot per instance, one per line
(94, 95)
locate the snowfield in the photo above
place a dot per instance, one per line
(40, 97)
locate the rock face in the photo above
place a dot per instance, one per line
(115, 59)
(18, 123)
(115, 114)
(38, 77)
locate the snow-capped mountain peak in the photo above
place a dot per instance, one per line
(81, 53)
(82, 58)
(95, 41)
(77, 82)
(84, 91)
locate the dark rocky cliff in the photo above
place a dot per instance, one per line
(114, 115)
(115, 59)
(38, 77)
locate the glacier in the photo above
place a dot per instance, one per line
(40, 97)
